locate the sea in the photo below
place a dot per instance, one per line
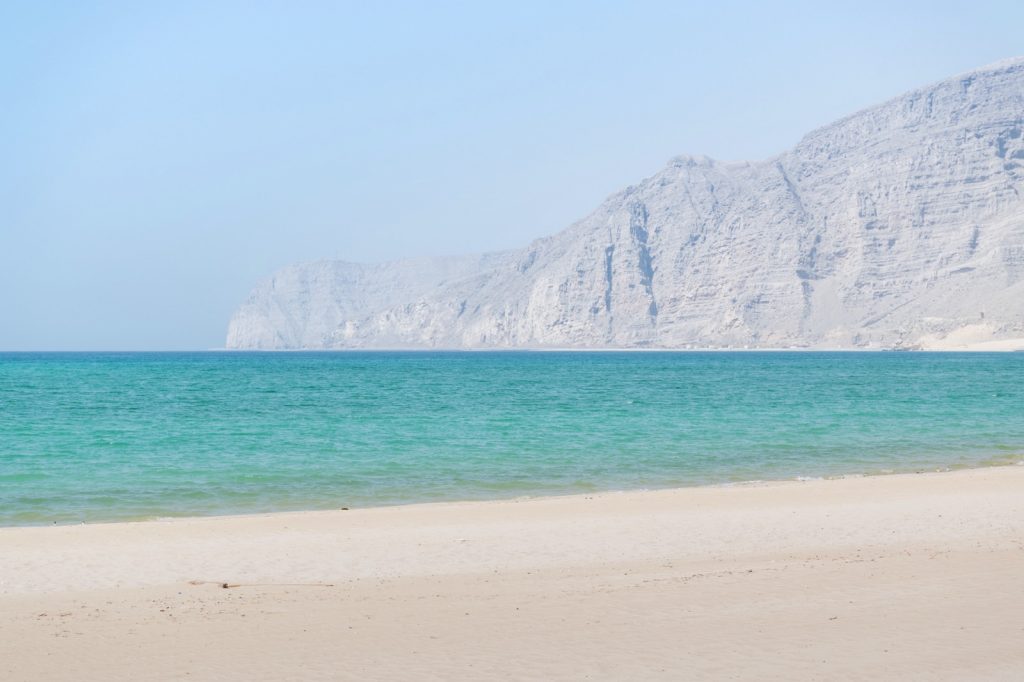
(94, 437)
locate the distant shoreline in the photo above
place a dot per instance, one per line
(1008, 346)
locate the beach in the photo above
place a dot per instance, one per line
(881, 577)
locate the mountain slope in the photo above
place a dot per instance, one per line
(899, 226)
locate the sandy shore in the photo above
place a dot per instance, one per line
(905, 576)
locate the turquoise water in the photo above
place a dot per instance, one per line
(108, 436)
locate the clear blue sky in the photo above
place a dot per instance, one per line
(158, 158)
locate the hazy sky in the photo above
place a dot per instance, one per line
(157, 159)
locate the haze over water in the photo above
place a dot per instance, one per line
(110, 436)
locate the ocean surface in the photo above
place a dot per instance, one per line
(114, 436)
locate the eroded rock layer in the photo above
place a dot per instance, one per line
(900, 226)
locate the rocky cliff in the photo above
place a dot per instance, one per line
(900, 226)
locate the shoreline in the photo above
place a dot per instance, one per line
(998, 346)
(1012, 460)
(882, 577)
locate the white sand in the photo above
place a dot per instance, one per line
(979, 337)
(892, 577)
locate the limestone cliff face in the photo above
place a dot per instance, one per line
(899, 226)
